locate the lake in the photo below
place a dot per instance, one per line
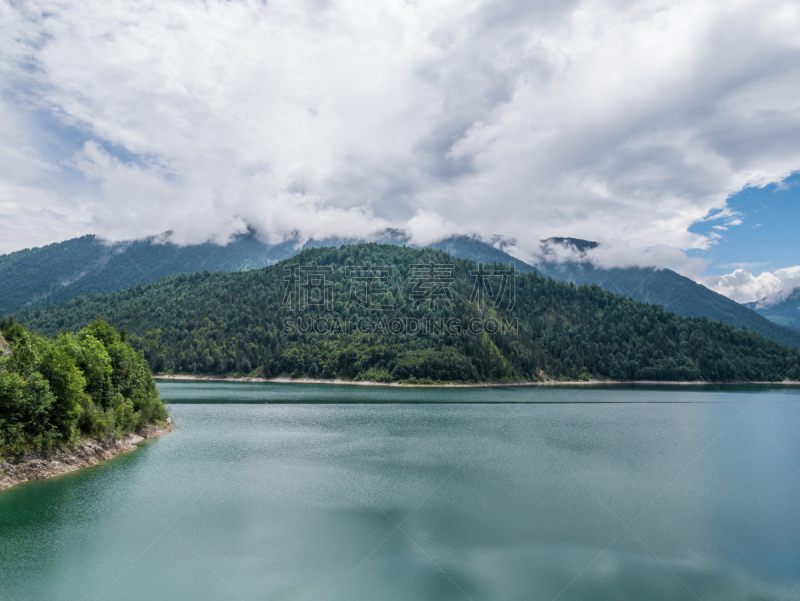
(311, 492)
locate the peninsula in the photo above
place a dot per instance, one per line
(72, 401)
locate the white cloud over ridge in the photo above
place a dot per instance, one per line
(767, 288)
(606, 254)
(623, 122)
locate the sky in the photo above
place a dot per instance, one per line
(757, 259)
(666, 132)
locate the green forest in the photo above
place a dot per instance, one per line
(89, 384)
(58, 272)
(262, 323)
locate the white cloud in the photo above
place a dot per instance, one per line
(427, 226)
(614, 253)
(660, 256)
(768, 288)
(624, 122)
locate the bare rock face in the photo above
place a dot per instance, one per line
(36, 465)
(5, 350)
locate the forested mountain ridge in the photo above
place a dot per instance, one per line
(59, 272)
(466, 247)
(674, 292)
(83, 266)
(784, 313)
(90, 384)
(254, 323)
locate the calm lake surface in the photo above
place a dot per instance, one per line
(307, 492)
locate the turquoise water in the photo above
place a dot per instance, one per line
(501, 494)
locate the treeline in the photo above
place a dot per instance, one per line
(674, 292)
(89, 384)
(235, 323)
(59, 272)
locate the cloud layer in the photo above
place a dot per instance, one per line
(767, 288)
(625, 122)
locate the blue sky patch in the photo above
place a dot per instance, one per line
(768, 237)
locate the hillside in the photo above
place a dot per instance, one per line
(674, 292)
(250, 323)
(83, 266)
(785, 313)
(54, 391)
(465, 247)
(59, 272)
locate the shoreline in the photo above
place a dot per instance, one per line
(338, 382)
(38, 465)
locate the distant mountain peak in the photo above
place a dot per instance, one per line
(770, 301)
(580, 245)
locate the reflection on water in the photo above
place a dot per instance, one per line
(594, 501)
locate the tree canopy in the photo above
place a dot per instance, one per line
(236, 324)
(89, 384)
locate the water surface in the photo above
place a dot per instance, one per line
(476, 494)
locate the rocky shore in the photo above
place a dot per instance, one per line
(37, 465)
(545, 381)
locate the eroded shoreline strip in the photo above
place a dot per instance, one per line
(192, 378)
(38, 465)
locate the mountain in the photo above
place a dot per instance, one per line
(59, 272)
(389, 313)
(785, 313)
(664, 287)
(674, 292)
(466, 247)
(62, 271)
(67, 270)
(576, 243)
